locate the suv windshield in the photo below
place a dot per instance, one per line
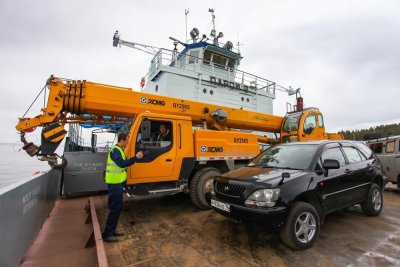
(286, 156)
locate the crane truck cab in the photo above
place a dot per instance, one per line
(189, 161)
(305, 125)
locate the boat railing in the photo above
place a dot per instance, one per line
(217, 74)
(75, 135)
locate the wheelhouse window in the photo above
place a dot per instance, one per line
(194, 56)
(218, 60)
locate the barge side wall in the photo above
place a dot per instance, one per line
(24, 206)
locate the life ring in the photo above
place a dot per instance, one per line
(142, 82)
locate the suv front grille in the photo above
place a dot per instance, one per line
(229, 189)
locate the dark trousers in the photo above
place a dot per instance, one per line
(115, 194)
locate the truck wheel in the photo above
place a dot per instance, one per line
(372, 206)
(301, 227)
(201, 184)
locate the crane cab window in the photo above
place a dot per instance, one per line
(320, 121)
(160, 141)
(309, 124)
(161, 133)
(291, 123)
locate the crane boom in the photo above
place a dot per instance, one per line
(83, 101)
(84, 97)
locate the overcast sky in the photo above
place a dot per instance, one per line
(344, 55)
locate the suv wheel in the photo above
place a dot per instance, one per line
(372, 206)
(301, 227)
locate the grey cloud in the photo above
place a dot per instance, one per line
(344, 55)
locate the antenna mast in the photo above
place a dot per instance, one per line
(186, 13)
(213, 31)
(238, 46)
(213, 17)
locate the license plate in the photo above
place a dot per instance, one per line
(221, 206)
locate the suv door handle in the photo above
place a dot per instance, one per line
(168, 160)
(347, 171)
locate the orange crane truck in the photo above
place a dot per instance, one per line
(206, 139)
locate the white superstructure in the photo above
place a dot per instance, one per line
(207, 72)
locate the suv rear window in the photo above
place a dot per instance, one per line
(364, 148)
(352, 154)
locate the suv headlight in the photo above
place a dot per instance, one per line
(263, 198)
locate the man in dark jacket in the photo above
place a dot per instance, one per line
(164, 134)
(116, 176)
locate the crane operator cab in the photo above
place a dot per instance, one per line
(154, 137)
(304, 125)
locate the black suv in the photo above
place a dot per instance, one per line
(294, 185)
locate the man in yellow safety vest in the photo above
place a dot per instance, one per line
(116, 176)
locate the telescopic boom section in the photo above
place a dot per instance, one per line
(83, 97)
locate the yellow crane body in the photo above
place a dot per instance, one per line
(205, 139)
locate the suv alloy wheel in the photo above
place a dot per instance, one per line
(301, 227)
(372, 206)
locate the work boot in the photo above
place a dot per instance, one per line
(110, 238)
(117, 233)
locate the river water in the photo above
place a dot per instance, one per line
(17, 165)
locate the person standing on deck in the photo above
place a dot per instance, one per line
(116, 176)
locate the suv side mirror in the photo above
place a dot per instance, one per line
(330, 164)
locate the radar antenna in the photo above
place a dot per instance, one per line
(213, 33)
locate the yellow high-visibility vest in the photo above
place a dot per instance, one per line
(115, 174)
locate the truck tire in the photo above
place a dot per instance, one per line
(201, 184)
(301, 227)
(372, 206)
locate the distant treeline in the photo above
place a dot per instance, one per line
(373, 132)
